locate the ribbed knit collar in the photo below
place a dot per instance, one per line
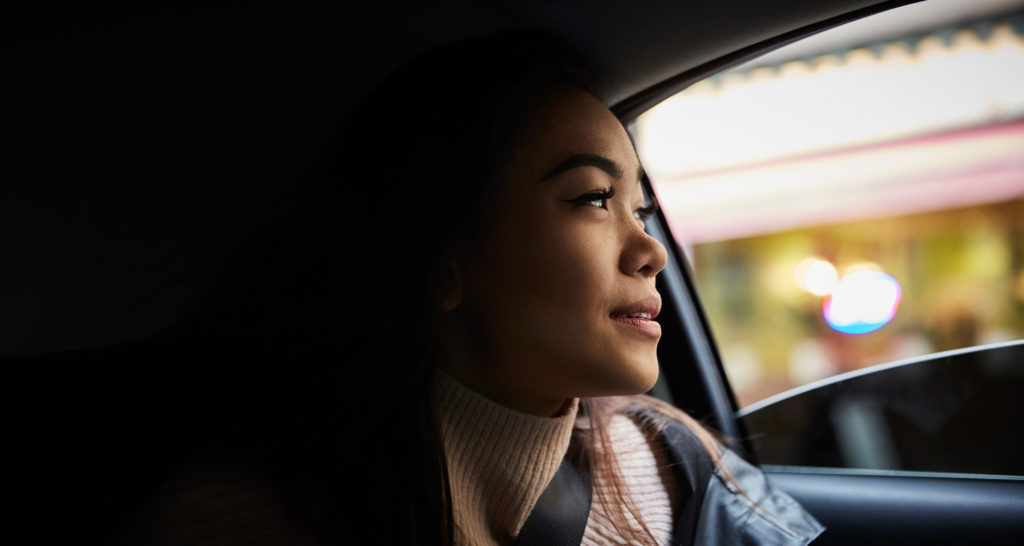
(499, 460)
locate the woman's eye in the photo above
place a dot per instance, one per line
(597, 199)
(644, 212)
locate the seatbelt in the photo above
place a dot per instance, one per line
(560, 515)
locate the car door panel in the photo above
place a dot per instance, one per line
(908, 509)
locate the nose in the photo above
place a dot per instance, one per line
(642, 254)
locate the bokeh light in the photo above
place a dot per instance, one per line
(862, 302)
(816, 276)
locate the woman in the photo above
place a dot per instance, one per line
(513, 322)
(494, 346)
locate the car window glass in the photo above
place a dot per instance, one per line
(854, 199)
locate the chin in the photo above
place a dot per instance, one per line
(650, 378)
(639, 378)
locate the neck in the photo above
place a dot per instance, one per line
(507, 393)
(499, 460)
(501, 382)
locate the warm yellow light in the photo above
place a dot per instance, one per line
(816, 276)
(862, 266)
(1020, 286)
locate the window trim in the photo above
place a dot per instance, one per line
(632, 107)
(853, 374)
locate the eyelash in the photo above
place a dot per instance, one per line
(587, 199)
(645, 212)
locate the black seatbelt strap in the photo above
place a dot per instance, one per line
(694, 468)
(560, 515)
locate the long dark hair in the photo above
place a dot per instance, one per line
(417, 160)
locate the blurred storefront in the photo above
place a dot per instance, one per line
(852, 207)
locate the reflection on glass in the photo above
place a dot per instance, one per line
(949, 413)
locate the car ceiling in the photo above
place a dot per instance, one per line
(143, 142)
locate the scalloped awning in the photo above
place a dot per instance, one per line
(915, 125)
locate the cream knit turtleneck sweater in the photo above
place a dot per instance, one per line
(501, 460)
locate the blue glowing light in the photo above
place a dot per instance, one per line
(862, 302)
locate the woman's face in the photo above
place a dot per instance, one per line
(555, 297)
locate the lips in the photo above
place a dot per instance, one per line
(639, 316)
(642, 315)
(647, 308)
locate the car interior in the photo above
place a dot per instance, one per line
(153, 157)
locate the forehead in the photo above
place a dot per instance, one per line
(567, 121)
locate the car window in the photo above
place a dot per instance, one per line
(853, 200)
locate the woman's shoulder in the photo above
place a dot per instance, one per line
(742, 506)
(735, 503)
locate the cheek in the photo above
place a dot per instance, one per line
(566, 275)
(550, 261)
(580, 265)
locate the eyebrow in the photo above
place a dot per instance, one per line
(586, 160)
